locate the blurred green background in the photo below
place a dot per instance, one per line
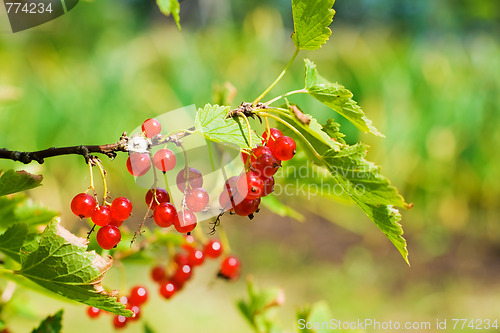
(426, 73)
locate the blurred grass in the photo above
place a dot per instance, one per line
(103, 68)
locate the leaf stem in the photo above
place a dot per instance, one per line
(249, 129)
(257, 100)
(300, 91)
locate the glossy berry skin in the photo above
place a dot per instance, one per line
(158, 273)
(83, 205)
(101, 216)
(165, 215)
(180, 259)
(185, 221)
(268, 186)
(120, 321)
(255, 153)
(121, 208)
(247, 207)
(230, 268)
(182, 274)
(168, 289)
(93, 312)
(138, 164)
(266, 165)
(228, 203)
(213, 249)
(138, 295)
(136, 310)
(275, 134)
(195, 258)
(284, 148)
(108, 237)
(164, 160)
(195, 179)
(116, 223)
(251, 185)
(197, 199)
(151, 127)
(156, 196)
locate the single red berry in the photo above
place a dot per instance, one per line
(121, 208)
(83, 205)
(168, 289)
(165, 215)
(123, 300)
(156, 196)
(266, 165)
(108, 237)
(275, 134)
(93, 312)
(231, 184)
(138, 295)
(151, 127)
(230, 268)
(180, 259)
(268, 186)
(102, 216)
(195, 179)
(197, 199)
(195, 258)
(138, 164)
(158, 273)
(182, 274)
(250, 185)
(136, 310)
(284, 148)
(164, 160)
(247, 207)
(185, 221)
(213, 249)
(119, 321)
(116, 223)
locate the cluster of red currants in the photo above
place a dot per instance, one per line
(242, 194)
(138, 296)
(108, 217)
(173, 277)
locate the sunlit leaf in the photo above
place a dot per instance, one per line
(311, 19)
(16, 181)
(168, 7)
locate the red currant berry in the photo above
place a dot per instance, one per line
(119, 321)
(116, 223)
(168, 289)
(284, 148)
(156, 196)
(121, 208)
(182, 274)
(158, 273)
(213, 249)
(180, 259)
(230, 268)
(165, 215)
(195, 179)
(102, 216)
(268, 186)
(151, 127)
(83, 205)
(195, 258)
(197, 199)
(138, 164)
(138, 295)
(93, 312)
(275, 134)
(255, 153)
(108, 237)
(136, 310)
(266, 165)
(250, 185)
(164, 160)
(247, 207)
(185, 221)
(228, 203)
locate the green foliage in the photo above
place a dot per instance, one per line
(13, 239)
(338, 98)
(311, 19)
(168, 7)
(17, 208)
(316, 313)
(16, 181)
(58, 261)
(51, 324)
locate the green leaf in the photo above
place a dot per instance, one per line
(371, 191)
(272, 203)
(51, 324)
(13, 239)
(147, 328)
(168, 7)
(338, 98)
(311, 19)
(61, 264)
(211, 122)
(17, 208)
(316, 314)
(16, 181)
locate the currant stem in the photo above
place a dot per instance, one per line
(257, 100)
(300, 91)
(104, 183)
(249, 129)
